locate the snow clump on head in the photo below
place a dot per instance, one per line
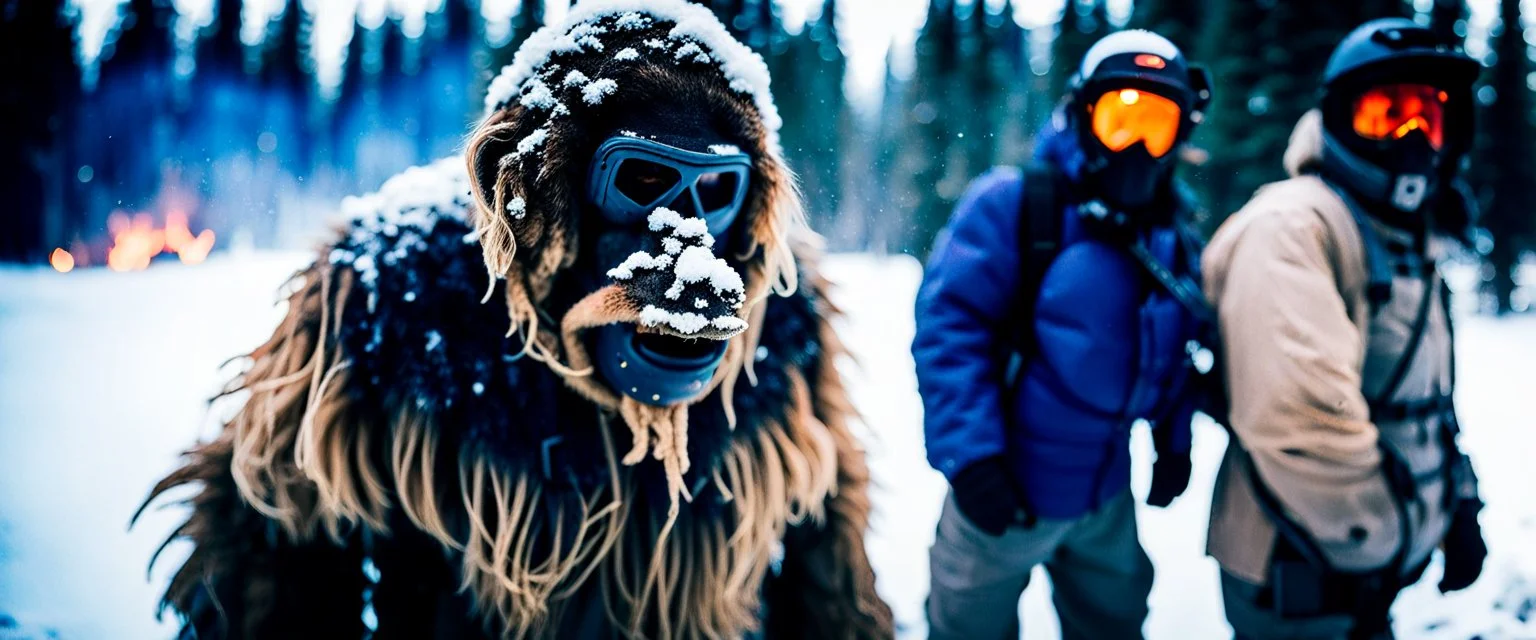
(697, 36)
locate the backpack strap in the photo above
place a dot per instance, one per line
(1404, 362)
(1039, 242)
(1183, 290)
(1378, 273)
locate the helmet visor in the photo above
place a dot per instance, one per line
(1391, 112)
(1123, 117)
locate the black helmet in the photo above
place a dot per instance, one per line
(1132, 177)
(1400, 170)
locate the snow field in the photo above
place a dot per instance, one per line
(105, 377)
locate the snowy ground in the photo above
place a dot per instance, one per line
(104, 377)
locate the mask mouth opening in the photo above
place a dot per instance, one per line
(677, 353)
(655, 368)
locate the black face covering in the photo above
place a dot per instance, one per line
(1131, 179)
(646, 365)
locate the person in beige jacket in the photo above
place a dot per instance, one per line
(1344, 475)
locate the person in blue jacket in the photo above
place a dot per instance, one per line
(1049, 321)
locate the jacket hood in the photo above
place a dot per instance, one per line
(1057, 145)
(1304, 153)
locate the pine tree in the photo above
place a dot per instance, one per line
(1448, 19)
(808, 86)
(1008, 127)
(976, 112)
(1507, 153)
(1237, 164)
(1179, 21)
(35, 99)
(924, 140)
(1082, 23)
(1268, 82)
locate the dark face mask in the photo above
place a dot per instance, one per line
(700, 195)
(1413, 164)
(1129, 179)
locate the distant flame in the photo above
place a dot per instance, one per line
(62, 261)
(179, 239)
(136, 242)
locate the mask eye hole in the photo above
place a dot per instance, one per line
(717, 190)
(645, 182)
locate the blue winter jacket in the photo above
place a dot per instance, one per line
(1111, 349)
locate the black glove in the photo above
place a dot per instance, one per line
(1464, 548)
(1170, 477)
(985, 494)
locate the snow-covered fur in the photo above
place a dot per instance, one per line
(406, 465)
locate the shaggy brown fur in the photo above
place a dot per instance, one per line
(807, 475)
(308, 455)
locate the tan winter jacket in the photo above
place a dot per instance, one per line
(1303, 354)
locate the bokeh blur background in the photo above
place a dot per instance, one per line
(165, 164)
(137, 124)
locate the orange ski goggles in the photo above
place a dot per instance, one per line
(1390, 112)
(1123, 117)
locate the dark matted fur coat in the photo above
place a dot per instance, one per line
(407, 466)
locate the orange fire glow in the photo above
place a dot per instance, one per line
(179, 239)
(62, 261)
(136, 241)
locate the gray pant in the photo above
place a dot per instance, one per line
(1100, 574)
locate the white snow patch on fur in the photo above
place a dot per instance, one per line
(639, 260)
(632, 20)
(656, 43)
(582, 35)
(729, 323)
(725, 149)
(518, 208)
(682, 227)
(698, 264)
(537, 95)
(686, 50)
(692, 51)
(598, 89)
(744, 70)
(627, 53)
(672, 246)
(652, 316)
(574, 78)
(528, 144)
(414, 197)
